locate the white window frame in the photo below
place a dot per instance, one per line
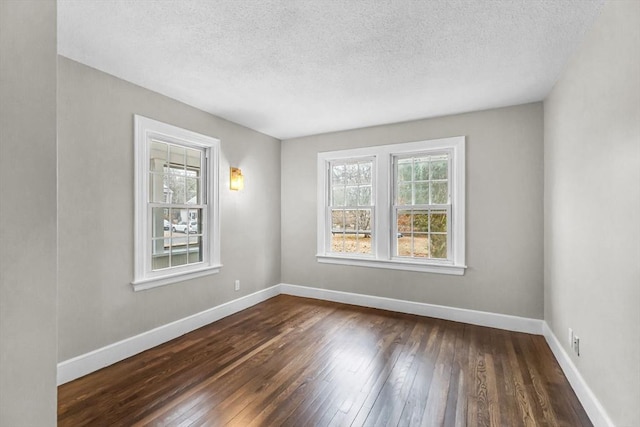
(147, 130)
(383, 239)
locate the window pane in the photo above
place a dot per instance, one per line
(439, 193)
(177, 187)
(195, 224)
(422, 193)
(158, 191)
(439, 167)
(193, 159)
(364, 221)
(337, 174)
(364, 245)
(158, 156)
(420, 245)
(439, 246)
(195, 255)
(195, 249)
(159, 223)
(177, 156)
(178, 251)
(404, 194)
(404, 221)
(180, 221)
(337, 242)
(337, 220)
(404, 169)
(178, 257)
(363, 234)
(350, 220)
(439, 221)
(174, 217)
(337, 193)
(365, 172)
(420, 221)
(352, 173)
(352, 196)
(404, 245)
(365, 196)
(167, 193)
(193, 195)
(160, 247)
(160, 254)
(421, 169)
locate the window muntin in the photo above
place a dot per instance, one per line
(422, 206)
(177, 212)
(417, 207)
(351, 206)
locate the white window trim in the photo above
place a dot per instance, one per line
(144, 277)
(383, 216)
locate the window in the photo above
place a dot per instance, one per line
(398, 206)
(422, 206)
(177, 226)
(351, 206)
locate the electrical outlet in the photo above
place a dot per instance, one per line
(571, 337)
(576, 344)
(237, 286)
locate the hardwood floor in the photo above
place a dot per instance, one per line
(301, 362)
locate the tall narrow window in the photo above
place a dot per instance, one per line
(178, 204)
(177, 232)
(351, 206)
(422, 206)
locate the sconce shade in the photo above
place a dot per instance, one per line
(237, 180)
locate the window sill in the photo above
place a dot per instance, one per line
(456, 270)
(154, 282)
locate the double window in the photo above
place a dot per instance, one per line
(397, 206)
(177, 232)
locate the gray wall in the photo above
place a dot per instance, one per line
(28, 213)
(504, 214)
(592, 209)
(97, 305)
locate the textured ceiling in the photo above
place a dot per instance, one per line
(298, 67)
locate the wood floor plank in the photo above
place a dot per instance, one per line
(456, 410)
(301, 362)
(434, 409)
(414, 405)
(504, 383)
(526, 415)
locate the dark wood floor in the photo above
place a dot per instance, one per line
(302, 362)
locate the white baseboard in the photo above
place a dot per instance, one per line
(481, 318)
(591, 404)
(84, 364)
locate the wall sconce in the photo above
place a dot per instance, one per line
(237, 180)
